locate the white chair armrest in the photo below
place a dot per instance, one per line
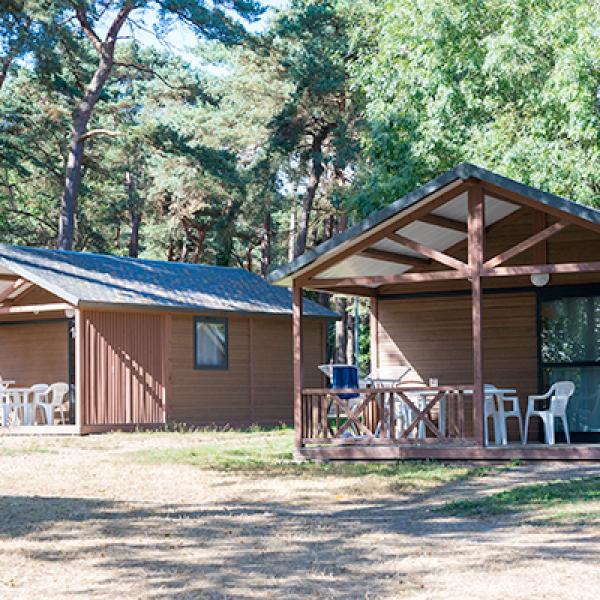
(542, 396)
(533, 399)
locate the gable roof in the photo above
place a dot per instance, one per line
(283, 274)
(97, 280)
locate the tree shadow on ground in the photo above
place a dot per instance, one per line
(255, 547)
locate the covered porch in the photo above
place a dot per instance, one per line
(475, 283)
(37, 359)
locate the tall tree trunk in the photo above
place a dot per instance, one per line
(350, 339)
(106, 54)
(68, 204)
(171, 250)
(317, 170)
(265, 246)
(341, 330)
(4, 66)
(135, 215)
(324, 298)
(292, 233)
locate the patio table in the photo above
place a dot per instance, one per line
(22, 395)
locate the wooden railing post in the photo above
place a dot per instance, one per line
(297, 351)
(476, 229)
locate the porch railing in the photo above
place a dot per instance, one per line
(392, 415)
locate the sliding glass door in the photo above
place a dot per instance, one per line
(570, 350)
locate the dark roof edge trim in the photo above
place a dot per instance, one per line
(133, 307)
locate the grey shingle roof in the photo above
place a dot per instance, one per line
(96, 279)
(463, 171)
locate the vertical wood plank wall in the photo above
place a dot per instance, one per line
(257, 387)
(34, 352)
(433, 336)
(123, 356)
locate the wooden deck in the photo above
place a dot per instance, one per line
(332, 430)
(397, 451)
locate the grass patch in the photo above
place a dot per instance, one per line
(26, 450)
(555, 502)
(270, 453)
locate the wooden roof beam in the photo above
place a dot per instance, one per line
(376, 280)
(444, 222)
(11, 289)
(395, 257)
(585, 267)
(34, 308)
(506, 195)
(401, 220)
(531, 241)
(436, 255)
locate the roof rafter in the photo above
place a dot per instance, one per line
(436, 255)
(444, 222)
(396, 222)
(526, 244)
(394, 257)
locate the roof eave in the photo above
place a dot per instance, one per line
(285, 274)
(139, 307)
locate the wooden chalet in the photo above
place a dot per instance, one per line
(472, 279)
(142, 343)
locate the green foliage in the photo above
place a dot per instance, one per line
(211, 156)
(576, 492)
(512, 86)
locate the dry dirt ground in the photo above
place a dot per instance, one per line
(83, 518)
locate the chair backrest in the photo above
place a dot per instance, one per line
(392, 375)
(57, 392)
(560, 393)
(344, 376)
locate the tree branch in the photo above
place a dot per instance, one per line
(148, 70)
(94, 132)
(113, 30)
(87, 28)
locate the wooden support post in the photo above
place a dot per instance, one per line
(79, 368)
(297, 345)
(476, 225)
(374, 332)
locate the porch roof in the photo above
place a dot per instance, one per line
(445, 226)
(86, 279)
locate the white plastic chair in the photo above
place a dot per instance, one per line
(514, 411)
(37, 392)
(53, 399)
(497, 415)
(386, 377)
(559, 395)
(4, 405)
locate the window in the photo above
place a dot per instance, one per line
(570, 349)
(211, 343)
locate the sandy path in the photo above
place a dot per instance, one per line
(81, 521)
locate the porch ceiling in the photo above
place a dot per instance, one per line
(428, 234)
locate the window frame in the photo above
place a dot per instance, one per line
(215, 321)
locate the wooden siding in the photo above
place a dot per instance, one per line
(257, 386)
(34, 352)
(122, 378)
(433, 337)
